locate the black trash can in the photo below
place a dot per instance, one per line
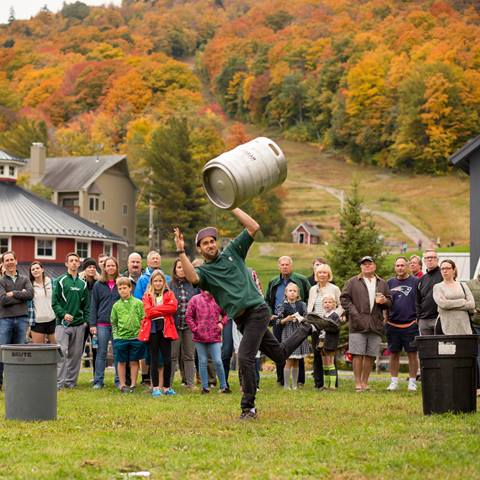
(30, 381)
(448, 366)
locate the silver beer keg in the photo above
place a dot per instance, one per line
(244, 172)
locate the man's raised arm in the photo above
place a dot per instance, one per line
(247, 221)
(188, 268)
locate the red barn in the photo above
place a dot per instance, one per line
(306, 233)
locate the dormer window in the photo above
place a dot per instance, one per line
(11, 170)
(2, 170)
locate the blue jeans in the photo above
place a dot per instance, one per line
(215, 351)
(13, 330)
(104, 335)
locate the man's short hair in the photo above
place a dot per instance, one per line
(401, 257)
(429, 250)
(151, 253)
(286, 257)
(124, 281)
(9, 252)
(413, 257)
(134, 254)
(71, 254)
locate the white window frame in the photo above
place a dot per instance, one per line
(9, 240)
(89, 248)
(108, 249)
(96, 203)
(12, 171)
(2, 170)
(53, 256)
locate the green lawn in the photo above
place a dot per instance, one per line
(302, 434)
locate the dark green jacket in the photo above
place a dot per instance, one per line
(300, 280)
(70, 295)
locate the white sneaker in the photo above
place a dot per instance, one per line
(412, 387)
(393, 386)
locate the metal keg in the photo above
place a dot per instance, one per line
(244, 172)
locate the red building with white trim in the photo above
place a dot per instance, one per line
(37, 229)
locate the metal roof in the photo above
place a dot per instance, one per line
(67, 174)
(23, 213)
(10, 158)
(461, 158)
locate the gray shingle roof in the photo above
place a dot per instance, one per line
(309, 227)
(22, 212)
(461, 158)
(66, 174)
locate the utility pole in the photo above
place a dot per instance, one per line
(151, 228)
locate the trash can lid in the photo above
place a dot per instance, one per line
(30, 346)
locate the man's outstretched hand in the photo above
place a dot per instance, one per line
(179, 241)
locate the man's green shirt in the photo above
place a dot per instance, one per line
(228, 279)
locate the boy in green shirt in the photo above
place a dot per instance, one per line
(127, 315)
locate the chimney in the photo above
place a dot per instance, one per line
(38, 157)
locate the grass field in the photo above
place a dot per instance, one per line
(299, 434)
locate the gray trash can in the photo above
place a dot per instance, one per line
(30, 381)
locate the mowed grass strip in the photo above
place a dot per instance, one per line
(299, 434)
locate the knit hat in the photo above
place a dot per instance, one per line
(205, 232)
(89, 262)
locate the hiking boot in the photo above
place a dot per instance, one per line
(248, 414)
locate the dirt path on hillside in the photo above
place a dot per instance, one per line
(405, 226)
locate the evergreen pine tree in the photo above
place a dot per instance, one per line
(357, 237)
(175, 180)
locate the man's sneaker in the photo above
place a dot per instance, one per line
(225, 390)
(248, 414)
(97, 386)
(412, 387)
(205, 391)
(393, 386)
(132, 388)
(124, 390)
(157, 393)
(169, 391)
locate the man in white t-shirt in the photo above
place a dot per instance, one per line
(364, 298)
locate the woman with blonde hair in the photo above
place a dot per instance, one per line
(323, 276)
(158, 330)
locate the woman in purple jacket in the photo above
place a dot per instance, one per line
(206, 320)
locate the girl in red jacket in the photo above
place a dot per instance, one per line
(159, 330)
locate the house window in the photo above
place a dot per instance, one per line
(83, 249)
(107, 248)
(11, 171)
(44, 248)
(2, 170)
(71, 204)
(125, 232)
(4, 244)
(93, 204)
(124, 209)
(103, 204)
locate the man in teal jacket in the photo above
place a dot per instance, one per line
(71, 304)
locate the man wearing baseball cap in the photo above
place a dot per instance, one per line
(364, 298)
(228, 279)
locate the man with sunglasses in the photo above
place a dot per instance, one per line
(427, 312)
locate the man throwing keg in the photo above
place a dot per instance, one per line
(226, 276)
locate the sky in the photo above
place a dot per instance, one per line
(25, 9)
